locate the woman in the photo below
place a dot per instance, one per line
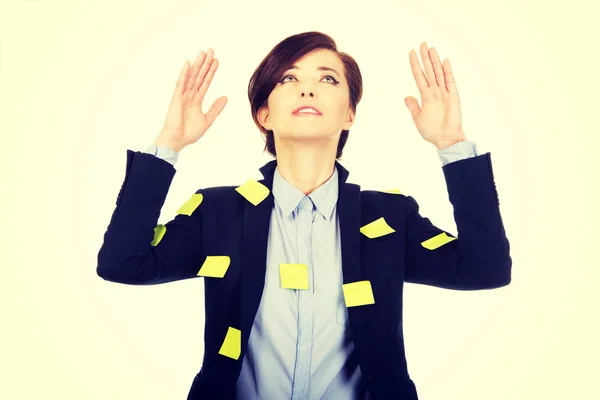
(304, 271)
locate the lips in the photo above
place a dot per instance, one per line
(302, 107)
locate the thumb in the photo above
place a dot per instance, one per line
(413, 106)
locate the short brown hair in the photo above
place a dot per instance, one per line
(281, 58)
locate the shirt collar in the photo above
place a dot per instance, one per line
(288, 196)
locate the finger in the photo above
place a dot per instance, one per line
(202, 72)
(417, 71)
(427, 65)
(449, 77)
(183, 78)
(206, 83)
(215, 110)
(195, 69)
(437, 67)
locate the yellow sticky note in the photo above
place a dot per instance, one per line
(253, 191)
(294, 276)
(214, 266)
(232, 345)
(190, 205)
(393, 191)
(437, 241)
(358, 293)
(159, 232)
(376, 228)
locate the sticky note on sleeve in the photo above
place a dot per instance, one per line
(159, 232)
(232, 345)
(253, 191)
(191, 205)
(358, 293)
(376, 229)
(437, 241)
(294, 276)
(214, 266)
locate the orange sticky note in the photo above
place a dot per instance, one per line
(191, 205)
(376, 229)
(232, 345)
(358, 293)
(159, 232)
(214, 266)
(437, 241)
(294, 276)
(253, 191)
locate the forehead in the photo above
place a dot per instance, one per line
(321, 57)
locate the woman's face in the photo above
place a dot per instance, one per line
(325, 90)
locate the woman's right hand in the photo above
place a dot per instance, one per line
(186, 123)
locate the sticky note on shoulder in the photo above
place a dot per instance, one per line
(253, 191)
(358, 293)
(232, 345)
(294, 276)
(214, 266)
(159, 232)
(376, 229)
(437, 241)
(190, 206)
(391, 191)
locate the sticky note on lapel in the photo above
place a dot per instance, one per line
(214, 266)
(191, 205)
(358, 293)
(376, 229)
(159, 232)
(232, 345)
(437, 241)
(253, 191)
(294, 276)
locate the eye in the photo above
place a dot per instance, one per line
(333, 80)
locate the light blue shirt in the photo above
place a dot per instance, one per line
(299, 347)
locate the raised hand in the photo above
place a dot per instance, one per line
(185, 122)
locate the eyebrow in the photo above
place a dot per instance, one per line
(320, 68)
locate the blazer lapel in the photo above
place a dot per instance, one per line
(254, 254)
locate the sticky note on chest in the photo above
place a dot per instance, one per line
(293, 276)
(376, 229)
(214, 266)
(253, 191)
(437, 241)
(232, 345)
(358, 293)
(191, 205)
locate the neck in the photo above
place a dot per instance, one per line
(305, 165)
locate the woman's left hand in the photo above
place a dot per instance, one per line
(439, 120)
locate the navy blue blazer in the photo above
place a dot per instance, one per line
(226, 223)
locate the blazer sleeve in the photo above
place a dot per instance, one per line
(479, 256)
(138, 251)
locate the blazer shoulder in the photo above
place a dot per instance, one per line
(379, 198)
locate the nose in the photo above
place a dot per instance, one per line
(311, 94)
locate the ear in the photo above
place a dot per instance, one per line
(263, 117)
(349, 121)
